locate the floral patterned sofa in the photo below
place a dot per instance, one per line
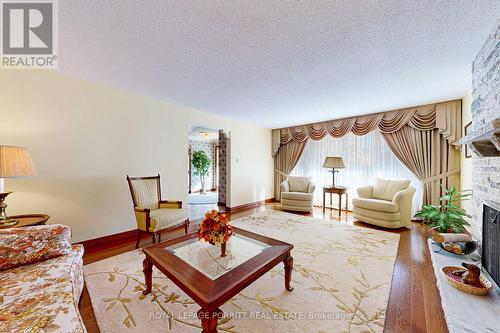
(41, 296)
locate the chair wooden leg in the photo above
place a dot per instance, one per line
(186, 226)
(139, 234)
(159, 237)
(154, 238)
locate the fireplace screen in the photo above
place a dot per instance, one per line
(491, 240)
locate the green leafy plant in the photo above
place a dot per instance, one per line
(201, 165)
(447, 215)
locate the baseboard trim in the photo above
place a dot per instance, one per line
(250, 205)
(132, 234)
(100, 241)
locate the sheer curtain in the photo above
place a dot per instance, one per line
(365, 157)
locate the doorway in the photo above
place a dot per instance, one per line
(207, 151)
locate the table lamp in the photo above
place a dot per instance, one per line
(15, 162)
(333, 163)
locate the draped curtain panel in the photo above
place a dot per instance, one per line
(284, 162)
(425, 138)
(429, 156)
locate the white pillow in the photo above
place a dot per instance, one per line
(385, 189)
(299, 184)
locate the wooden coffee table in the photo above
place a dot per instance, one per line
(211, 280)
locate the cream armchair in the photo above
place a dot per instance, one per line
(152, 214)
(297, 194)
(386, 204)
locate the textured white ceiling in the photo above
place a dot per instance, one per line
(278, 63)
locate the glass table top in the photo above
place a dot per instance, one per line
(206, 258)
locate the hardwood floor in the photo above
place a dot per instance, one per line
(414, 302)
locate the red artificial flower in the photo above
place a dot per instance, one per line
(215, 227)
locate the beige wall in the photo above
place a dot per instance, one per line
(84, 139)
(466, 163)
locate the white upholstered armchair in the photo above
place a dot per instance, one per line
(297, 194)
(386, 204)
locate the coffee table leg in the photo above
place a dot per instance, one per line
(209, 320)
(288, 272)
(148, 275)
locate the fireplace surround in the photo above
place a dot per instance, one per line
(485, 135)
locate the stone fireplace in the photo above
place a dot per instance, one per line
(485, 136)
(465, 312)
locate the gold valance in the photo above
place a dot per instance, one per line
(446, 116)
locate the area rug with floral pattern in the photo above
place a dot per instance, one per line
(342, 278)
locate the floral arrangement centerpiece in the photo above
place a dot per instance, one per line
(215, 229)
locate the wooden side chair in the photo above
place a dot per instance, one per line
(152, 214)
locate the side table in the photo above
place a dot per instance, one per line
(28, 220)
(339, 190)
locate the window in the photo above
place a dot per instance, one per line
(365, 157)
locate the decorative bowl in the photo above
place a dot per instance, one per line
(456, 281)
(470, 247)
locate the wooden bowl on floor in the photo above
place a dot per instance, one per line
(456, 281)
(470, 247)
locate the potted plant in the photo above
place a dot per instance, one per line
(448, 216)
(201, 166)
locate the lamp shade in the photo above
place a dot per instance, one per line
(334, 162)
(16, 162)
